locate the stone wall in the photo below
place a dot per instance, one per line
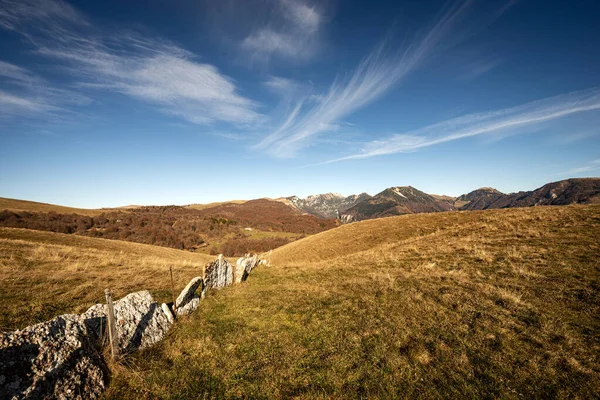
(63, 358)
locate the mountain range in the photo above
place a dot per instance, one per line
(328, 205)
(238, 227)
(401, 200)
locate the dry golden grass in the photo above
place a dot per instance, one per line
(44, 274)
(492, 304)
(215, 204)
(33, 206)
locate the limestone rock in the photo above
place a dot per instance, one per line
(168, 313)
(244, 266)
(141, 322)
(264, 262)
(188, 293)
(219, 273)
(240, 268)
(54, 359)
(189, 306)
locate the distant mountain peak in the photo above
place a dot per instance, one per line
(326, 205)
(489, 189)
(329, 195)
(396, 200)
(399, 200)
(568, 191)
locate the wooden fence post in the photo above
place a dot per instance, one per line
(173, 292)
(112, 326)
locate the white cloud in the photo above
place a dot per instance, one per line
(152, 70)
(483, 124)
(31, 95)
(373, 77)
(264, 42)
(288, 90)
(47, 13)
(306, 17)
(291, 31)
(279, 84)
(17, 105)
(16, 75)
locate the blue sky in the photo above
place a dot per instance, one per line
(128, 102)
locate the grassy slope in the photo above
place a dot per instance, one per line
(44, 274)
(33, 206)
(500, 303)
(215, 204)
(254, 234)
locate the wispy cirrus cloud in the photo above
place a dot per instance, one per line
(13, 105)
(155, 71)
(478, 68)
(372, 78)
(17, 75)
(572, 137)
(23, 93)
(281, 85)
(46, 14)
(291, 32)
(486, 123)
(590, 166)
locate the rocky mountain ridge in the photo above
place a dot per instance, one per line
(328, 205)
(401, 200)
(568, 191)
(395, 201)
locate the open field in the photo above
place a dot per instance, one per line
(44, 274)
(487, 304)
(33, 206)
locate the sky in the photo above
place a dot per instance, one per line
(111, 103)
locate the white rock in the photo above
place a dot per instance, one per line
(188, 292)
(141, 322)
(168, 312)
(219, 273)
(53, 359)
(189, 306)
(244, 266)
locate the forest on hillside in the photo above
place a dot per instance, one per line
(176, 227)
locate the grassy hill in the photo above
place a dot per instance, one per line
(214, 204)
(44, 274)
(233, 228)
(33, 206)
(485, 304)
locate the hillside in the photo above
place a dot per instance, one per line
(328, 205)
(228, 228)
(408, 200)
(44, 274)
(569, 191)
(484, 304)
(215, 204)
(395, 201)
(270, 215)
(25, 205)
(478, 199)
